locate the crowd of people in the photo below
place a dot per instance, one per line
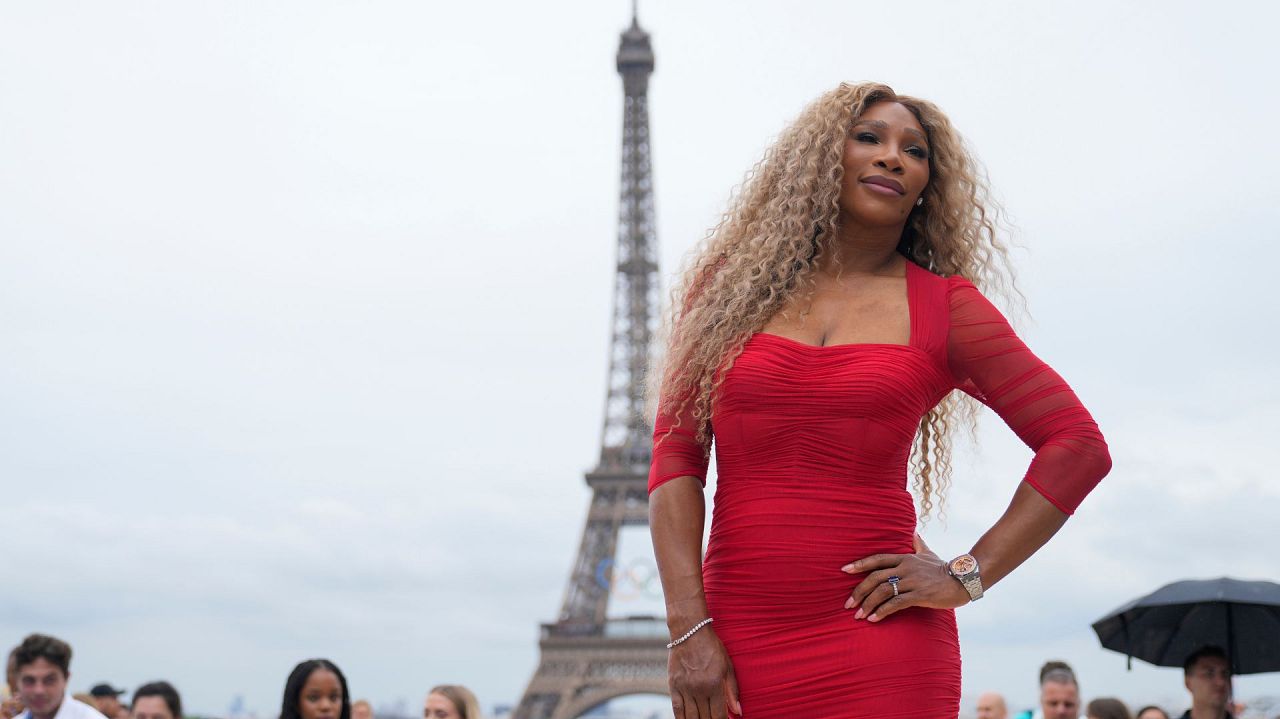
(38, 674)
(1206, 675)
(39, 671)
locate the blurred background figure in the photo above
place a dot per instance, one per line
(11, 703)
(991, 706)
(1107, 708)
(1207, 675)
(43, 666)
(451, 701)
(361, 709)
(1151, 712)
(156, 700)
(1059, 693)
(316, 689)
(106, 699)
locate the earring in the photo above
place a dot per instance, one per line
(919, 201)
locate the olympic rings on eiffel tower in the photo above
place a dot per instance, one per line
(637, 579)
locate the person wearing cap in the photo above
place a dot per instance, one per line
(107, 699)
(43, 666)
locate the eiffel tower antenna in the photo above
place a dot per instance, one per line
(627, 436)
(587, 657)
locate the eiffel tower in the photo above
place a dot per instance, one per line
(588, 658)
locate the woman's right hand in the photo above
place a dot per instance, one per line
(701, 678)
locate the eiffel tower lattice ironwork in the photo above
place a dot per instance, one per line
(587, 657)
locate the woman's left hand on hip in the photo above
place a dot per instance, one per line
(920, 580)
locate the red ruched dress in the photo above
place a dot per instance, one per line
(812, 445)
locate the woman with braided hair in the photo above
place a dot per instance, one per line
(817, 337)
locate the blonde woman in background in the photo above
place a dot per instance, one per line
(451, 701)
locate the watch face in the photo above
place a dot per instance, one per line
(963, 565)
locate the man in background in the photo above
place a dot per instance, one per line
(1207, 675)
(1059, 693)
(991, 706)
(43, 665)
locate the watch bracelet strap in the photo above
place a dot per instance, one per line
(973, 585)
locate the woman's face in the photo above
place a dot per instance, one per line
(886, 166)
(151, 707)
(321, 696)
(440, 707)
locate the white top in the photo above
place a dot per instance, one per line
(71, 708)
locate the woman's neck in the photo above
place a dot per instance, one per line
(864, 250)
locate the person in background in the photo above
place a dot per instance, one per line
(11, 703)
(106, 699)
(1107, 708)
(451, 701)
(361, 709)
(43, 666)
(1151, 711)
(1207, 675)
(1059, 693)
(316, 689)
(991, 706)
(156, 700)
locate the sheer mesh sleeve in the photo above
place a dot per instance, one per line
(990, 363)
(676, 452)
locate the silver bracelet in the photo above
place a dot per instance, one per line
(689, 633)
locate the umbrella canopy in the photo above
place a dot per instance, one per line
(1167, 625)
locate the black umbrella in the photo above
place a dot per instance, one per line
(1162, 628)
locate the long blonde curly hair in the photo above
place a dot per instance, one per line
(779, 227)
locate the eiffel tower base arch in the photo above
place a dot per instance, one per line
(576, 674)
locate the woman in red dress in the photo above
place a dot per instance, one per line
(817, 337)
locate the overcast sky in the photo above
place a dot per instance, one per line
(305, 308)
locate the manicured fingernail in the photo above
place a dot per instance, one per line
(848, 567)
(859, 615)
(873, 618)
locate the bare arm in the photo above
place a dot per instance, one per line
(677, 515)
(1026, 525)
(700, 674)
